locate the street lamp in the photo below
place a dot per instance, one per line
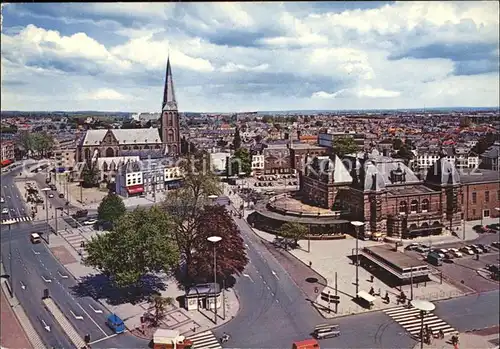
(46, 190)
(11, 278)
(424, 307)
(356, 225)
(215, 240)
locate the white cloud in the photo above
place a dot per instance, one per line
(360, 92)
(104, 94)
(252, 55)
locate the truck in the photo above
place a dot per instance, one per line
(170, 339)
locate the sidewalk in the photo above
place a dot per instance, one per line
(66, 248)
(12, 335)
(467, 341)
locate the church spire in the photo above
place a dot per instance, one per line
(169, 102)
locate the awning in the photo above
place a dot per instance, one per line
(135, 189)
(366, 296)
(6, 162)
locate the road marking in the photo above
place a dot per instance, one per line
(90, 317)
(248, 276)
(23, 286)
(78, 317)
(99, 311)
(61, 275)
(277, 301)
(37, 253)
(275, 275)
(46, 280)
(103, 339)
(47, 327)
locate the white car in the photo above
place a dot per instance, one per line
(443, 250)
(90, 222)
(5, 210)
(456, 253)
(51, 195)
(467, 250)
(2, 200)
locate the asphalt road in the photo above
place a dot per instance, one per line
(475, 311)
(274, 312)
(32, 268)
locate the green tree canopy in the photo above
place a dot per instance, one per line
(397, 143)
(343, 145)
(111, 208)
(294, 231)
(90, 175)
(42, 142)
(241, 162)
(141, 243)
(185, 205)
(230, 251)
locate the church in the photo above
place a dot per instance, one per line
(117, 145)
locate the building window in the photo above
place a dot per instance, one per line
(425, 205)
(403, 207)
(474, 197)
(486, 213)
(486, 196)
(473, 212)
(498, 195)
(414, 206)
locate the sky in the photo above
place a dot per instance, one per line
(237, 57)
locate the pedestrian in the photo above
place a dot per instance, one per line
(371, 278)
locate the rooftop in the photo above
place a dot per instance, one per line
(397, 258)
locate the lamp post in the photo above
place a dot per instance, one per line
(46, 190)
(356, 225)
(424, 307)
(11, 275)
(215, 240)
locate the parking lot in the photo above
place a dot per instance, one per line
(466, 269)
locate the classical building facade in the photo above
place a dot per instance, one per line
(391, 200)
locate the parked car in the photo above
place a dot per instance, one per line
(467, 250)
(115, 323)
(449, 255)
(483, 247)
(51, 195)
(456, 253)
(420, 249)
(61, 195)
(495, 244)
(412, 247)
(438, 252)
(476, 249)
(495, 227)
(5, 210)
(90, 222)
(479, 228)
(443, 250)
(2, 200)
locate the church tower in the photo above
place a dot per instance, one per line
(170, 132)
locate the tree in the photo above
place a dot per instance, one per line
(160, 303)
(485, 142)
(90, 175)
(294, 231)
(237, 139)
(397, 143)
(111, 208)
(25, 141)
(230, 251)
(141, 243)
(343, 145)
(185, 205)
(241, 162)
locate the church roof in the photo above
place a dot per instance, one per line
(124, 136)
(169, 101)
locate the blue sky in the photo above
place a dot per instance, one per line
(233, 57)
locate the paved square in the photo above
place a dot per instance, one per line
(63, 255)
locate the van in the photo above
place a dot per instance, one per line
(115, 323)
(434, 259)
(35, 238)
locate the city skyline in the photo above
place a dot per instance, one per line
(231, 57)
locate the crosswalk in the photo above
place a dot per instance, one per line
(17, 220)
(205, 340)
(409, 319)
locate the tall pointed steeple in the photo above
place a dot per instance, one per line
(169, 102)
